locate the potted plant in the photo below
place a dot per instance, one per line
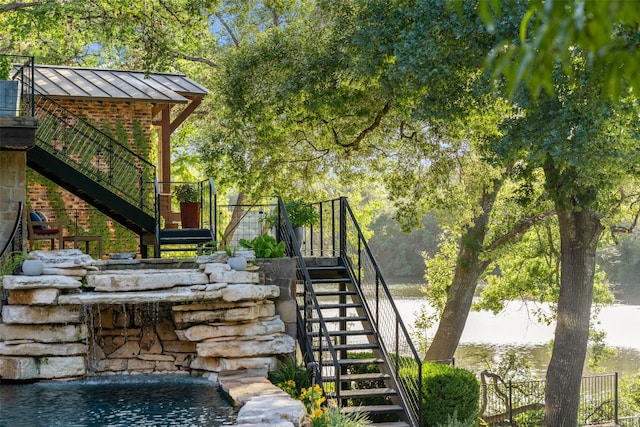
(189, 199)
(21, 260)
(301, 214)
(8, 89)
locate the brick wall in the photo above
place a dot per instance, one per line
(98, 112)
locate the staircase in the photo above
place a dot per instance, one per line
(350, 332)
(107, 175)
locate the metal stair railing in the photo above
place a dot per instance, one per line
(338, 234)
(14, 243)
(317, 347)
(107, 162)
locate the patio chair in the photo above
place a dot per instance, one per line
(39, 228)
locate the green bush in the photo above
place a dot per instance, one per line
(265, 246)
(448, 390)
(291, 376)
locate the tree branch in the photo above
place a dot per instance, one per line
(228, 28)
(196, 59)
(355, 144)
(20, 5)
(520, 229)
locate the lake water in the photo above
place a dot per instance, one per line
(140, 400)
(488, 336)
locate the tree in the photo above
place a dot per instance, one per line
(604, 33)
(587, 148)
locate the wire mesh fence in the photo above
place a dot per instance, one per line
(521, 403)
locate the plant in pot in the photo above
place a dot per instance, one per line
(21, 261)
(189, 199)
(9, 89)
(301, 214)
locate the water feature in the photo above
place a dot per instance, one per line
(488, 336)
(141, 400)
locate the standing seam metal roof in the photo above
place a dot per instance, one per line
(115, 85)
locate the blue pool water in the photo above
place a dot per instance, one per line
(136, 400)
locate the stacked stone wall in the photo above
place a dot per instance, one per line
(12, 189)
(72, 322)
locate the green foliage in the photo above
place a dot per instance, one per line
(291, 377)
(11, 264)
(447, 390)
(554, 34)
(300, 214)
(186, 193)
(265, 246)
(630, 395)
(5, 68)
(334, 418)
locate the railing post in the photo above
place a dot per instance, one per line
(615, 394)
(343, 228)
(510, 403)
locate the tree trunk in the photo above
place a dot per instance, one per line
(236, 217)
(469, 268)
(580, 232)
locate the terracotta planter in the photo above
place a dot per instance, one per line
(190, 214)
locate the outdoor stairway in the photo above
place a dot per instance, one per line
(364, 382)
(180, 240)
(107, 175)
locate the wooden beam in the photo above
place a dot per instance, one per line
(195, 102)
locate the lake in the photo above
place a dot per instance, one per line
(488, 336)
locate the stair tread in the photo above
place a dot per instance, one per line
(330, 280)
(340, 319)
(363, 346)
(330, 293)
(369, 376)
(360, 392)
(371, 409)
(338, 305)
(391, 424)
(367, 361)
(345, 333)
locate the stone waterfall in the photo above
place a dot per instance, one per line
(83, 317)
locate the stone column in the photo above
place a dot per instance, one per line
(13, 182)
(281, 272)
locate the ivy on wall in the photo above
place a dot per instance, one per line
(116, 238)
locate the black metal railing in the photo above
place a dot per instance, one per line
(167, 202)
(315, 340)
(521, 403)
(21, 72)
(107, 162)
(337, 234)
(14, 243)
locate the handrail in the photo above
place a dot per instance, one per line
(22, 71)
(87, 149)
(338, 234)
(398, 349)
(13, 245)
(316, 360)
(15, 241)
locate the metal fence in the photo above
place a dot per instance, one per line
(521, 403)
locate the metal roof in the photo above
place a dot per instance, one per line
(114, 85)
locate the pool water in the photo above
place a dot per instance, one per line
(134, 400)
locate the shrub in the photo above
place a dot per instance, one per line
(264, 246)
(448, 390)
(291, 377)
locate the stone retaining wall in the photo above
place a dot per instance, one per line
(80, 319)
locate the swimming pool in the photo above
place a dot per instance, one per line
(131, 400)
